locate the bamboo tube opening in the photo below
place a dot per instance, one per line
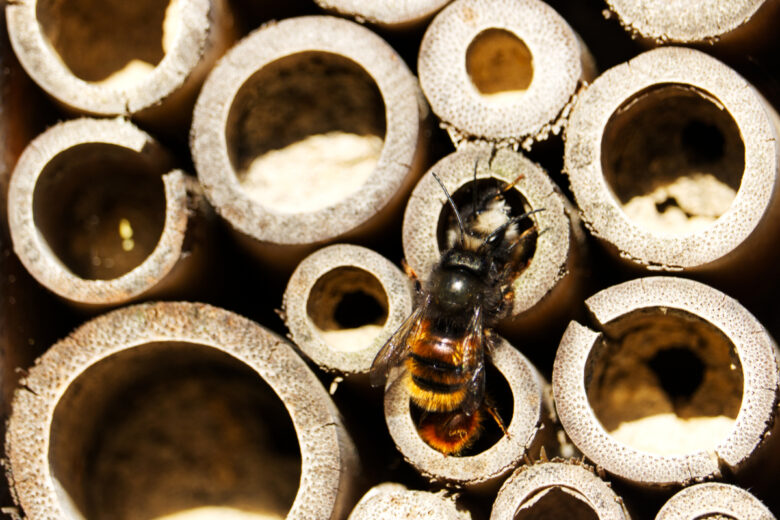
(309, 125)
(100, 208)
(390, 501)
(173, 430)
(348, 307)
(674, 157)
(179, 411)
(504, 71)
(556, 502)
(672, 163)
(84, 35)
(448, 232)
(342, 303)
(308, 130)
(499, 64)
(557, 489)
(675, 382)
(517, 390)
(664, 381)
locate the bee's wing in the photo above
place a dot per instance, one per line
(473, 364)
(397, 347)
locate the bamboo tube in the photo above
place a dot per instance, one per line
(341, 304)
(690, 22)
(713, 500)
(174, 410)
(557, 489)
(98, 216)
(503, 71)
(677, 382)
(673, 162)
(288, 176)
(391, 501)
(548, 290)
(529, 426)
(152, 69)
(392, 14)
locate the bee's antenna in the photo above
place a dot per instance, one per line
(474, 186)
(454, 208)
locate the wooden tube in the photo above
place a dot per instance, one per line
(558, 489)
(151, 69)
(392, 14)
(99, 217)
(287, 176)
(694, 21)
(529, 427)
(177, 409)
(391, 501)
(673, 161)
(503, 71)
(677, 382)
(548, 290)
(341, 304)
(714, 500)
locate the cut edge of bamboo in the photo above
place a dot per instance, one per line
(320, 282)
(387, 13)
(529, 484)
(155, 272)
(518, 116)
(711, 499)
(724, 244)
(389, 501)
(356, 211)
(753, 345)
(329, 462)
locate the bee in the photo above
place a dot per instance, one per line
(443, 344)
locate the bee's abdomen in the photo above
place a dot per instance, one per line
(436, 381)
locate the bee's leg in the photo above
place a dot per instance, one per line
(490, 408)
(513, 183)
(412, 275)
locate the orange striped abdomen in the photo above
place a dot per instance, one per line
(434, 376)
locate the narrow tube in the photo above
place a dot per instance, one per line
(713, 500)
(561, 489)
(546, 292)
(390, 501)
(151, 69)
(503, 71)
(341, 304)
(288, 176)
(99, 217)
(676, 382)
(390, 14)
(521, 399)
(177, 410)
(673, 163)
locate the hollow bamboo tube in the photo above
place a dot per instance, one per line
(529, 427)
(503, 71)
(547, 290)
(673, 161)
(288, 176)
(391, 501)
(99, 217)
(341, 304)
(151, 69)
(690, 22)
(714, 500)
(210, 397)
(558, 489)
(676, 382)
(387, 13)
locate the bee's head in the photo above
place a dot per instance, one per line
(458, 282)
